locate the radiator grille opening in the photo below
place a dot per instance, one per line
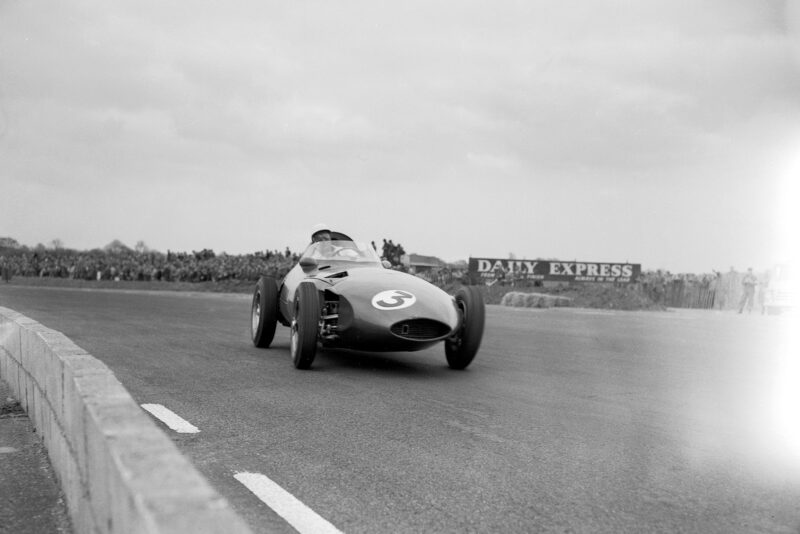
(420, 329)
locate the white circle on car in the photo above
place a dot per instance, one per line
(393, 299)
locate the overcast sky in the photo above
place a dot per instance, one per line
(660, 132)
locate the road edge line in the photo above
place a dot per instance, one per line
(290, 508)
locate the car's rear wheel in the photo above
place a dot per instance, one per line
(305, 325)
(462, 347)
(264, 312)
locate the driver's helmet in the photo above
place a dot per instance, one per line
(320, 232)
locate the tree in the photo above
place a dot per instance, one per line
(141, 247)
(9, 242)
(56, 244)
(116, 246)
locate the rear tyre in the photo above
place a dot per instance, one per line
(305, 325)
(264, 312)
(462, 347)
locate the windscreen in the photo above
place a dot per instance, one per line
(345, 251)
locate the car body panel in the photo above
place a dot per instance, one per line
(366, 306)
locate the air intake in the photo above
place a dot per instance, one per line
(420, 329)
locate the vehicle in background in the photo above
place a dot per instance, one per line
(780, 294)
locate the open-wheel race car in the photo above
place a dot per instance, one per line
(341, 295)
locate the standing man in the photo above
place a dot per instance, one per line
(499, 273)
(749, 285)
(5, 269)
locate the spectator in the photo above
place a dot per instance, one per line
(5, 269)
(499, 274)
(393, 253)
(749, 283)
(762, 294)
(717, 296)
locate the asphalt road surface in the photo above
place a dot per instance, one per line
(567, 420)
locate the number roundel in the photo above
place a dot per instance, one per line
(393, 299)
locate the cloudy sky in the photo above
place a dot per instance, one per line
(661, 132)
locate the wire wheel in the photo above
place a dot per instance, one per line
(264, 312)
(305, 325)
(462, 347)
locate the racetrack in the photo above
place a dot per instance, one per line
(567, 420)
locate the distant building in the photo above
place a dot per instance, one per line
(417, 263)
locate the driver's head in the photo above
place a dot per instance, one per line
(321, 236)
(320, 232)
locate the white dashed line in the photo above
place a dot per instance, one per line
(171, 419)
(286, 505)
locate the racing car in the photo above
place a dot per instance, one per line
(340, 294)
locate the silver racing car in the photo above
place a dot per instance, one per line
(340, 295)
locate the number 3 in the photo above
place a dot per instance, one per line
(394, 299)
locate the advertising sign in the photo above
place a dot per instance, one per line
(488, 269)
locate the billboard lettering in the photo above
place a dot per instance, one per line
(488, 269)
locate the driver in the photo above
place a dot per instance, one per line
(320, 232)
(326, 247)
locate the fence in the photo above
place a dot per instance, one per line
(720, 291)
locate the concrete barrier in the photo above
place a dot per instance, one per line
(118, 470)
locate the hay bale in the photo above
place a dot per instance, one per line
(518, 299)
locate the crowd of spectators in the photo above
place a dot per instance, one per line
(444, 276)
(130, 265)
(123, 263)
(391, 252)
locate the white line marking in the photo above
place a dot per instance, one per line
(301, 517)
(171, 419)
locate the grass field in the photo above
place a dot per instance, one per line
(604, 296)
(227, 286)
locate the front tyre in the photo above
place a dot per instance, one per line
(264, 312)
(305, 325)
(462, 347)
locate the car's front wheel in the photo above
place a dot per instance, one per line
(305, 325)
(462, 347)
(264, 312)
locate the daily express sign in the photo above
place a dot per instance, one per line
(556, 271)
